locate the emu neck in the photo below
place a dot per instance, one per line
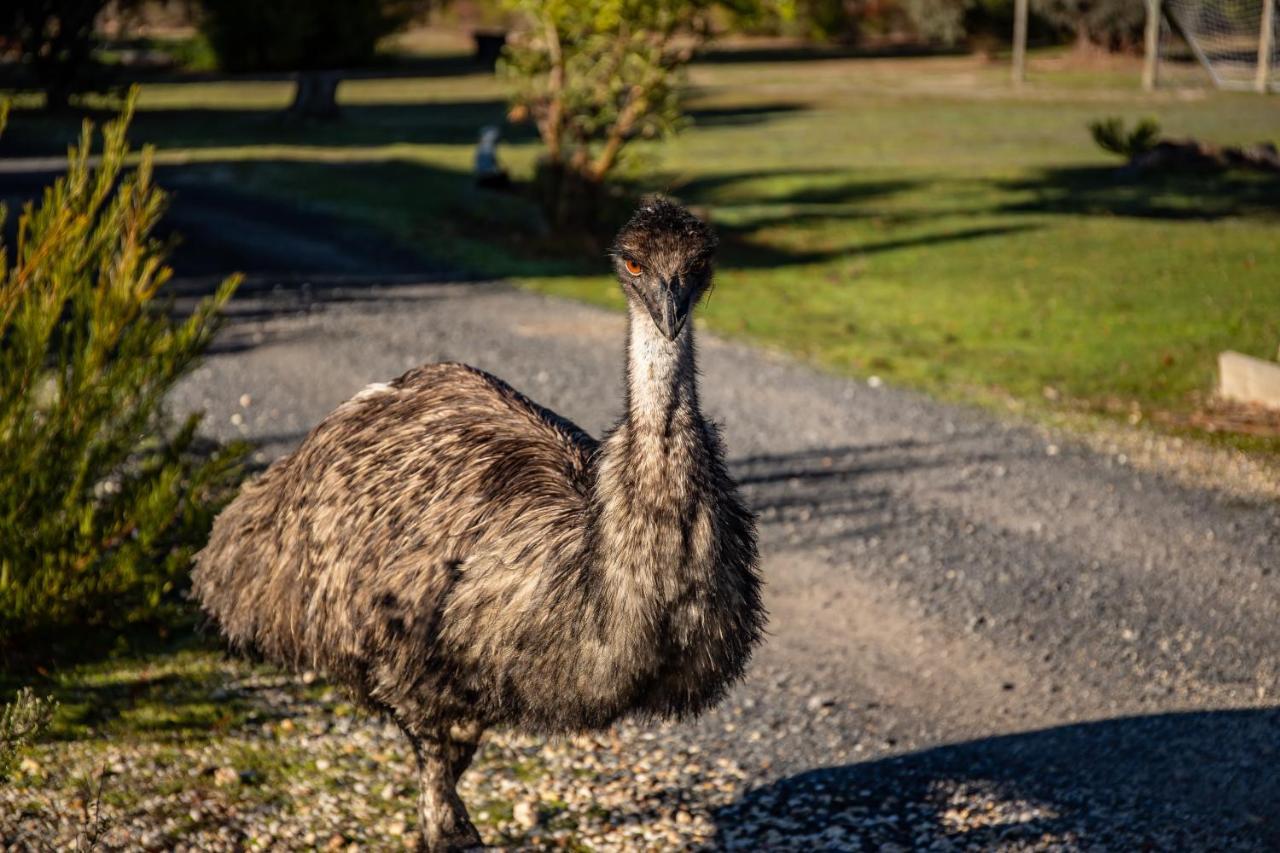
(653, 533)
(662, 391)
(648, 480)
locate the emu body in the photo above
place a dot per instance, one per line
(462, 558)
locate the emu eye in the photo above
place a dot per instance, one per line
(633, 267)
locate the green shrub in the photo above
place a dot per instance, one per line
(594, 76)
(1111, 135)
(103, 499)
(21, 722)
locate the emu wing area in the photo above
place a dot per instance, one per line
(344, 553)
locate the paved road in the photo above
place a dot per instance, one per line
(956, 603)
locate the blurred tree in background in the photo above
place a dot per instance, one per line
(908, 23)
(595, 75)
(103, 500)
(854, 21)
(981, 25)
(317, 38)
(1114, 25)
(55, 40)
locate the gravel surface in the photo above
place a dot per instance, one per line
(306, 771)
(983, 636)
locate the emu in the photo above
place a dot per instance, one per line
(461, 558)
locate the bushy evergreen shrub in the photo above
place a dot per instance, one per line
(103, 498)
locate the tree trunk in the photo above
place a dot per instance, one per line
(489, 45)
(1084, 44)
(571, 200)
(57, 98)
(316, 97)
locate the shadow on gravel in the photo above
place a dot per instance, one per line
(1185, 781)
(826, 495)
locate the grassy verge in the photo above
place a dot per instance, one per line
(911, 219)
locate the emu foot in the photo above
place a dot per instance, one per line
(444, 821)
(453, 833)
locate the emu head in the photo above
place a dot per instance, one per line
(663, 257)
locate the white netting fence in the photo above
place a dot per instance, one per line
(1220, 39)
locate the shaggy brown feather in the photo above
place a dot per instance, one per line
(461, 557)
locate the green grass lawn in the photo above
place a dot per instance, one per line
(913, 219)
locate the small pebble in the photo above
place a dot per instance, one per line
(525, 814)
(224, 776)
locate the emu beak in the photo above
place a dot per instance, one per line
(670, 309)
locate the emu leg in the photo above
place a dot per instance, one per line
(464, 740)
(441, 814)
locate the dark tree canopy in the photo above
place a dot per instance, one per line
(253, 35)
(55, 40)
(315, 38)
(1113, 24)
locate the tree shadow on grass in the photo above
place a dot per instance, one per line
(218, 228)
(1106, 191)
(420, 222)
(816, 186)
(426, 122)
(444, 217)
(442, 209)
(1177, 781)
(385, 67)
(747, 202)
(742, 251)
(182, 688)
(169, 688)
(33, 133)
(741, 116)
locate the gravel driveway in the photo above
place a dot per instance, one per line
(982, 635)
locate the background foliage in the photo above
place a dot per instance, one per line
(595, 75)
(251, 35)
(103, 499)
(592, 76)
(1111, 24)
(55, 40)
